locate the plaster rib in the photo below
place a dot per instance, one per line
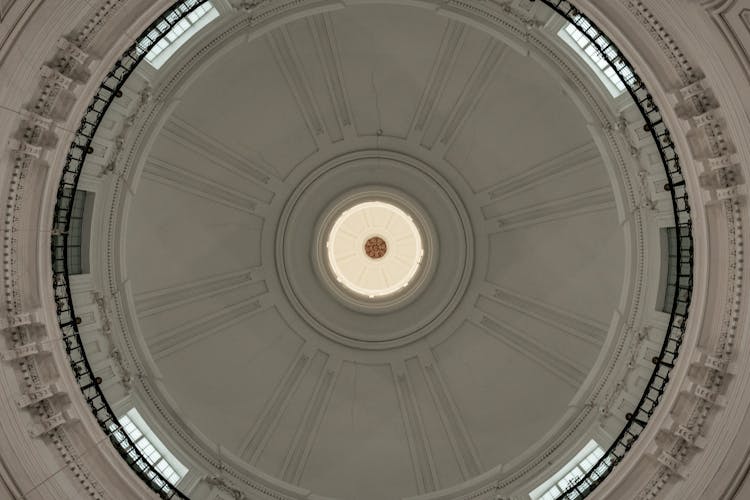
(491, 58)
(299, 451)
(586, 329)
(288, 62)
(578, 157)
(176, 177)
(176, 339)
(545, 356)
(324, 34)
(463, 448)
(255, 441)
(256, 170)
(595, 200)
(423, 463)
(154, 301)
(443, 67)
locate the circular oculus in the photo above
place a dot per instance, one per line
(374, 249)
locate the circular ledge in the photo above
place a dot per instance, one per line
(346, 317)
(420, 271)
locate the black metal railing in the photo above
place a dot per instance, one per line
(109, 90)
(665, 360)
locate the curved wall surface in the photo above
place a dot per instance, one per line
(694, 57)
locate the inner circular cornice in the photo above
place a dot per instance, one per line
(367, 242)
(311, 212)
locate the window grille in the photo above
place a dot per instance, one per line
(571, 473)
(76, 264)
(150, 446)
(586, 50)
(179, 33)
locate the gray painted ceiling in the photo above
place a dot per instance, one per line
(254, 352)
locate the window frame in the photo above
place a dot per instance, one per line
(151, 447)
(78, 238)
(580, 44)
(179, 34)
(571, 472)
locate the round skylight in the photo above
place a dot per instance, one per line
(374, 249)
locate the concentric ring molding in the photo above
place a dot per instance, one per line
(423, 226)
(382, 242)
(304, 217)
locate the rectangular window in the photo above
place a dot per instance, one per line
(583, 46)
(152, 449)
(669, 272)
(571, 473)
(81, 212)
(670, 275)
(180, 33)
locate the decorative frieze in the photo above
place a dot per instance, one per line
(223, 485)
(144, 97)
(607, 403)
(126, 378)
(249, 5)
(87, 33)
(101, 305)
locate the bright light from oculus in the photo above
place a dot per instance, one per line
(374, 249)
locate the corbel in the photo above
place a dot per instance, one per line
(56, 79)
(694, 89)
(51, 423)
(669, 461)
(37, 394)
(23, 351)
(72, 51)
(18, 320)
(25, 149)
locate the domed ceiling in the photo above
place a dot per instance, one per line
(481, 360)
